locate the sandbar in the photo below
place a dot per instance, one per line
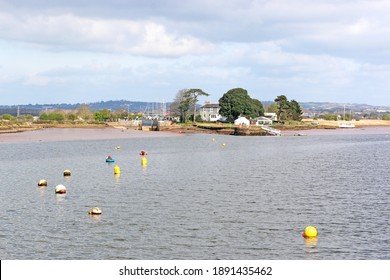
(77, 134)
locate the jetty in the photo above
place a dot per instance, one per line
(271, 131)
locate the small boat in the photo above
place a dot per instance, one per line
(346, 125)
(110, 159)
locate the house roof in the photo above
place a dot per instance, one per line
(210, 106)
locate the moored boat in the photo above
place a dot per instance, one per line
(346, 125)
(110, 159)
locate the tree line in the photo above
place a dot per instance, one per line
(233, 104)
(82, 114)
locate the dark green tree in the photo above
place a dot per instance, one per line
(287, 110)
(258, 108)
(102, 115)
(296, 110)
(7, 117)
(282, 108)
(53, 116)
(236, 102)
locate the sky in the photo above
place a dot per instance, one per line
(81, 51)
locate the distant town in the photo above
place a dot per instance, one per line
(153, 109)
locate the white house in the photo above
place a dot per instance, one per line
(271, 116)
(210, 112)
(262, 121)
(242, 121)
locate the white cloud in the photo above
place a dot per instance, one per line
(36, 80)
(296, 47)
(70, 32)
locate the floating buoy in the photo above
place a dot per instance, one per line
(117, 170)
(143, 153)
(95, 211)
(60, 189)
(118, 147)
(144, 161)
(42, 183)
(213, 139)
(223, 145)
(310, 231)
(110, 159)
(67, 173)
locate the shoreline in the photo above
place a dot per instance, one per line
(79, 134)
(70, 132)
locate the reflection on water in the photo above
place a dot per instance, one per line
(197, 199)
(116, 178)
(311, 247)
(311, 242)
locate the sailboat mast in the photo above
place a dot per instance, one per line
(344, 112)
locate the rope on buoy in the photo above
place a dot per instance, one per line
(60, 189)
(67, 172)
(95, 211)
(42, 183)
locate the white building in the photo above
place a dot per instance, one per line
(242, 121)
(262, 121)
(210, 112)
(271, 116)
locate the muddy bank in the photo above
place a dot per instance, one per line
(77, 134)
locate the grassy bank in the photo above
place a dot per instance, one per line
(217, 128)
(14, 127)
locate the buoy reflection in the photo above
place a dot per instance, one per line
(311, 242)
(116, 178)
(96, 217)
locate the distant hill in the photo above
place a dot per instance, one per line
(132, 106)
(140, 106)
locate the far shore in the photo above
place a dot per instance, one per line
(67, 132)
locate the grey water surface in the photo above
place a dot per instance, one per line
(200, 197)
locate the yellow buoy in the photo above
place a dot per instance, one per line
(42, 183)
(67, 172)
(224, 145)
(95, 211)
(310, 231)
(117, 170)
(144, 161)
(118, 147)
(213, 139)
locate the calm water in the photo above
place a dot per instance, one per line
(198, 199)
